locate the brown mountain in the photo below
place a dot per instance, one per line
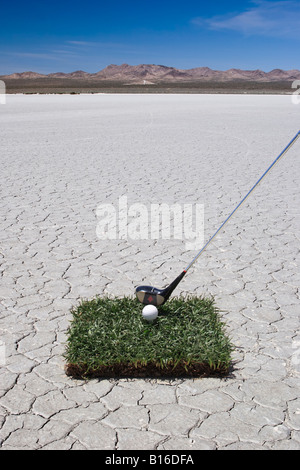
(133, 72)
(162, 73)
(25, 75)
(77, 74)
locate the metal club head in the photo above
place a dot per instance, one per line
(150, 295)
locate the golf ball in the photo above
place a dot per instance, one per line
(150, 312)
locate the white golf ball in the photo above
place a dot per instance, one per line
(150, 312)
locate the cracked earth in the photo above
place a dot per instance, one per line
(63, 156)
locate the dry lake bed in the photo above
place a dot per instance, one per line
(63, 157)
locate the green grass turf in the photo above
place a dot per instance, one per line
(109, 338)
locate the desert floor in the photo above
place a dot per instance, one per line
(64, 156)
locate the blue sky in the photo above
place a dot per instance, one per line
(63, 36)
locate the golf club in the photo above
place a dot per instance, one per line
(154, 296)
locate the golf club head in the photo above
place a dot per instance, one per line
(149, 295)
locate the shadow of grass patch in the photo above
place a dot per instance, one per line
(108, 337)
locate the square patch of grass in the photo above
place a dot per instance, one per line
(108, 337)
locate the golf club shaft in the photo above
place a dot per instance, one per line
(244, 199)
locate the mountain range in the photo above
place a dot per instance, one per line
(150, 73)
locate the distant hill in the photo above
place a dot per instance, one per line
(161, 73)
